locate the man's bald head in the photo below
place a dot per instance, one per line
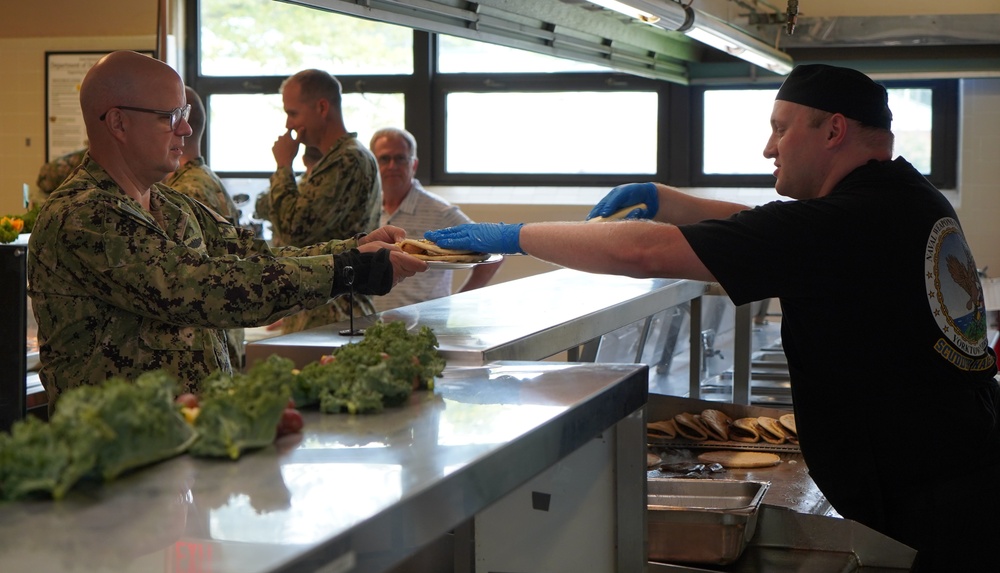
(127, 99)
(122, 78)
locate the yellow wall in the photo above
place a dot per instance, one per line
(27, 31)
(22, 116)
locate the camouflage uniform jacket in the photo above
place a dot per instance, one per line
(341, 197)
(197, 181)
(55, 172)
(118, 290)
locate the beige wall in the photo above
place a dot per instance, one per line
(27, 31)
(22, 115)
(979, 171)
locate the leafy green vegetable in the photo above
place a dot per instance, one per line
(13, 225)
(105, 430)
(8, 231)
(29, 218)
(33, 460)
(382, 370)
(241, 412)
(138, 422)
(413, 355)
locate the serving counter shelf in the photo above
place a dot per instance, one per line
(528, 319)
(478, 467)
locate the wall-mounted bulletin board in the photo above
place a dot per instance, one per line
(64, 128)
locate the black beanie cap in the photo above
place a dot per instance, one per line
(838, 90)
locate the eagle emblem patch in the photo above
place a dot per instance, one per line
(955, 295)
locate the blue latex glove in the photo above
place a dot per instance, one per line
(480, 237)
(626, 195)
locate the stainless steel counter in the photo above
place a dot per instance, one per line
(527, 319)
(362, 493)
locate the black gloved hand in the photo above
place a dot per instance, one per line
(372, 272)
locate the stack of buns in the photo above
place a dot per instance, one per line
(716, 425)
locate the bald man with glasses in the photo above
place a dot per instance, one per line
(128, 275)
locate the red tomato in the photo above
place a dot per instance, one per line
(187, 400)
(291, 422)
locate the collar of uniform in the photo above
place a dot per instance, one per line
(323, 162)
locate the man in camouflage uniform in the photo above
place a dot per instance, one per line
(54, 172)
(197, 180)
(127, 275)
(262, 206)
(341, 195)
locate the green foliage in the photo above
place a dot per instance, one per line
(278, 38)
(105, 430)
(381, 370)
(133, 423)
(33, 460)
(10, 229)
(102, 430)
(29, 218)
(8, 232)
(241, 412)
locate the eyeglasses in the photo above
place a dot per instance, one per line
(175, 114)
(399, 159)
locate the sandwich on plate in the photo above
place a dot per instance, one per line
(429, 251)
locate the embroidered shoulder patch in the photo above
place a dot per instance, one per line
(954, 291)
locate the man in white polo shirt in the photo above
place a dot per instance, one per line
(406, 204)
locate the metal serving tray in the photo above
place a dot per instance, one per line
(701, 521)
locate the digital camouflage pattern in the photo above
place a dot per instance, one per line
(118, 290)
(55, 172)
(196, 180)
(341, 197)
(262, 210)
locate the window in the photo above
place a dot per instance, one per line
(558, 132)
(244, 126)
(239, 80)
(536, 119)
(735, 129)
(458, 55)
(267, 38)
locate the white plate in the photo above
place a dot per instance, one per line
(445, 265)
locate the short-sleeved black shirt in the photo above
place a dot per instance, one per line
(883, 323)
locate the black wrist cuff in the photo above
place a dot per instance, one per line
(372, 272)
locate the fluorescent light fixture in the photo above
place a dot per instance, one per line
(629, 11)
(714, 32)
(705, 28)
